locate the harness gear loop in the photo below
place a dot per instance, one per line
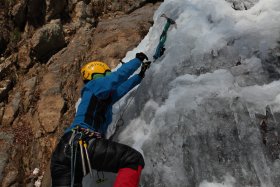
(82, 157)
(79, 137)
(88, 160)
(73, 155)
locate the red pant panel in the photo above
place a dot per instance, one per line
(128, 177)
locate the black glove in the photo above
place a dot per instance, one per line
(162, 51)
(141, 56)
(144, 67)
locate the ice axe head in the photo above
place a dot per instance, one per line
(171, 21)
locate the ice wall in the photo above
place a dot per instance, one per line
(207, 112)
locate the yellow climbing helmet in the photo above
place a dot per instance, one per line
(92, 68)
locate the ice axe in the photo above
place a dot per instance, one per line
(160, 48)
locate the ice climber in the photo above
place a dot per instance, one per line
(83, 146)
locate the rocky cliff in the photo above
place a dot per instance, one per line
(42, 45)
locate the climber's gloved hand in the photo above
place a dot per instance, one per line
(144, 67)
(141, 56)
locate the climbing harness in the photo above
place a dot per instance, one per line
(80, 137)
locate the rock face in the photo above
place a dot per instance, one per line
(3, 44)
(39, 71)
(51, 103)
(113, 37)
(18, 13)
(11, 110)
(5, 87)
(55, 9)
(47, 41)
(36, 12)
(6, 140)
(50, 108)
(4, 40)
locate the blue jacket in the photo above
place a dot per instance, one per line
(113, 86)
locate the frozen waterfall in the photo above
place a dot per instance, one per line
(207, 113)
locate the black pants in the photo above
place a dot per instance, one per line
(104, 155)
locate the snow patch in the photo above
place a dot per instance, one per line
(228, 182)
